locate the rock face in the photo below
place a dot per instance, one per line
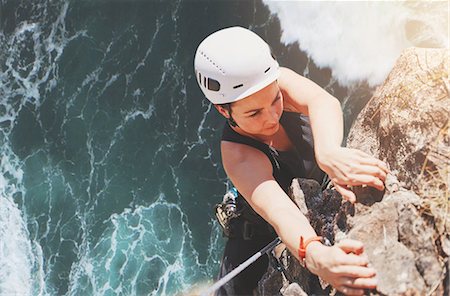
(400, 245)
(406, 125)
(406, 229)
(406, 121)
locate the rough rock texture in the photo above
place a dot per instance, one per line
(406, 229)
(406, 125)
(406, 121)
(382, 228)
(401, 243)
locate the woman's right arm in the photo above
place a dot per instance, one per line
(251, 172)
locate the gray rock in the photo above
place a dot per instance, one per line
(406, 125)
(393, 261)
(405, 229)
(294, 290)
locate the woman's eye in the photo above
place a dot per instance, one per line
(254, 114)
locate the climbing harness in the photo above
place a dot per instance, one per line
(241, 267)
(227, 210)
(238, 220)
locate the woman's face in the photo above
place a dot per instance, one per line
(259, 114)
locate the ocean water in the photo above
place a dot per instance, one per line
(110, 164)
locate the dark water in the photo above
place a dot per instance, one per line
(110, 162)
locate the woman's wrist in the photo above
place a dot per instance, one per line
(312, 255)
(323, 154)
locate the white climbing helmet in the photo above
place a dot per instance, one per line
(232, 64)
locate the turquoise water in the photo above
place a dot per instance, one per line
(110, 164)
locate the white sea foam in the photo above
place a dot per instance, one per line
(16, 256)
(15, 251)
(142, 238)
(28, 64)
(361, 40)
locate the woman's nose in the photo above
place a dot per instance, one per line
(272, 116)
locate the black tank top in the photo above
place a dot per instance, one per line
(287, 165)
(297, 163)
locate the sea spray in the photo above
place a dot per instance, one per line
(15, 251)
(360, 41)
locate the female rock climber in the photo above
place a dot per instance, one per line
(273, 114)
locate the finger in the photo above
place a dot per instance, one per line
(364, 283)
(353, 259)
(371, 170)
(351, 246)
(350, 291)
(356, 271)
(370, 160)
(358, 283)
(374, 182)
(357, 180)
(382, 165)
(347, 194)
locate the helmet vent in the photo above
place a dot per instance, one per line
(212, 62)
(267, 70)
(238, 86)
(213, 84)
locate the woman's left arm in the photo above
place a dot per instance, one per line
(345, 166)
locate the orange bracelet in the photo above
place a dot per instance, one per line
(304, 244)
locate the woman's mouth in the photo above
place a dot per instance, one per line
(271, 127)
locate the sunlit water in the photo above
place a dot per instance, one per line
(110, 164)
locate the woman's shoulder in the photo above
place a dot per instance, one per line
(232, 136)
(237, 152)
(241, 158)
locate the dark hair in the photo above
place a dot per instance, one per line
(227, 106)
